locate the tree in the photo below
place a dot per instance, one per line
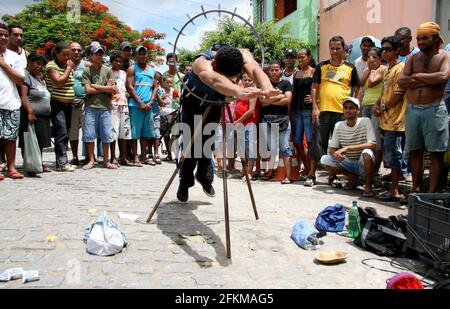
(47, 22)
(275, 39)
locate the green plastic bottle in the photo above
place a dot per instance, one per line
(354, 226)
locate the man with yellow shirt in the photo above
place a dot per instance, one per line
(391, 108)
(332, 83)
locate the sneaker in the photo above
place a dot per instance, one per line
(310, 181)
(65, 168)
(207, 188)
(74, 162)
(183, 194)
(334, 182)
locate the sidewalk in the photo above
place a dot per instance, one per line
(184, 246)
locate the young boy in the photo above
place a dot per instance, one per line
(120, 118)
(99, 85)
(246, 118)
(169, 102)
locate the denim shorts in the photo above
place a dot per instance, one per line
(427, 127)
(355, 167)
(97, 120)
(302, 125)
(247, 141)
(157, 124)
(393, 145)
(229, 131)
(141, 123)
(282, 139)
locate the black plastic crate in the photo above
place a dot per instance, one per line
(429, 217)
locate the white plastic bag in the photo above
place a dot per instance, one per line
(104, 237)
(32, 158)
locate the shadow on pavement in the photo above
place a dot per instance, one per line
(191, 230)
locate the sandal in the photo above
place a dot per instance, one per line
(88, 166)
(286, 181)
(368, 194)
(137, 164)
(157, 160)
(14, 175)
(387, 197)
(46, 169)
(110, 166)
(125, 163)
(150, 162)
(2, 177)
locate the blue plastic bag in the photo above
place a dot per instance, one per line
(301, 232)
(331, 219)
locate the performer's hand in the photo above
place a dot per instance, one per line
(249, 93)
(271, 92)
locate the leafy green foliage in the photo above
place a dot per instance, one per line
(46, 22)
(275, 39)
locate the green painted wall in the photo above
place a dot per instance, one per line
(303, 20)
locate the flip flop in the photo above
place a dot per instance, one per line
(14, 175)
(368, 194)
(150, 162)
(286, 182)
(157, 160)
(110, 166)
(126, 163)
(137, 164)
(88, 166)
(387, 197)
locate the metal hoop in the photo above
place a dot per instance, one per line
(191, 20)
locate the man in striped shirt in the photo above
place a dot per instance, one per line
(352, 147)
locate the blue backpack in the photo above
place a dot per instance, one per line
(331, 219)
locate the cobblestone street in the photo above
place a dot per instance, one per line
(184, 246)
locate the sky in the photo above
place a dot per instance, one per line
(160, 15)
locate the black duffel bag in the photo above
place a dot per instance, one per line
(382, 236)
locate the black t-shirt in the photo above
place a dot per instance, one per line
(284, 86)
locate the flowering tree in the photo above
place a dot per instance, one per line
(47, 22)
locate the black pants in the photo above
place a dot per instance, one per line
(60, 116)
(327, 121)
(205, 172)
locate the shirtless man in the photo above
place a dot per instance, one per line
(425, 77)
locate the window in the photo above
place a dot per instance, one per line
(262, 11)
(284, 7)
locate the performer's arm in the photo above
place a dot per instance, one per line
(254, 71)
(204, 70)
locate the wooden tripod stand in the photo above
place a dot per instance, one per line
(198, 129)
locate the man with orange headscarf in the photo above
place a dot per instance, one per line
(425, 77)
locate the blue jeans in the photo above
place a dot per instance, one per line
(355, 167)
(282, 139)
(302, 125)
(97, 120)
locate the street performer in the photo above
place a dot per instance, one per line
(214, 77)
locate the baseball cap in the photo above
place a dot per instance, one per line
(366, 38)
(290, 51)
(124, 45)
(353, 100)
(141, 47)
(96, 48)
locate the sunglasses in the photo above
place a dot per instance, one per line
(387, 49)
(76, 50)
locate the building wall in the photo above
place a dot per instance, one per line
(350, 18)
(303, 20)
